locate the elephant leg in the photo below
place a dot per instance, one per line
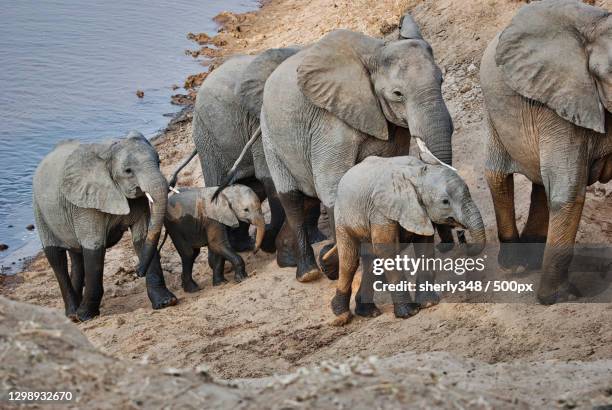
(220, 245)
(364, 300)
(424, 245)
(93, 261)
(59, 263)
(293, 203)
(286, 247)
(188, 255)
(501, 186)
(447, 241)
(277, 217)
(384, 241)
(159, 295)
(217, 265)
(312, 208)
(348, 254)
(533, 236)
(330, 266)
(77, 274)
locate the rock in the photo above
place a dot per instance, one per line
(387, 28)
(30, 227)
(3, 247)
(139, 93)
(471, 68)
(195, 80)
(200, 38)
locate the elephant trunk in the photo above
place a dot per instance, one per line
(472, 220)
(260, 224)
(155, 185)
(429, 119)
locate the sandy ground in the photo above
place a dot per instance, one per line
(272, 324)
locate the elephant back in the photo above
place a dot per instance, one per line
(250, 88)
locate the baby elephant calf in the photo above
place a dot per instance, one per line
(194, 220)
(383, 201)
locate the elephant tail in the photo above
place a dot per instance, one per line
(330, 252)
(231, 175)
(173, 180)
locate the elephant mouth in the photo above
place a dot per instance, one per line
(452, 222)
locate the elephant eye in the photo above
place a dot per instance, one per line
(128, 170)
(246, 209)
(445, 201)
(398, 93)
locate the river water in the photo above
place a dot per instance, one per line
(70, 69)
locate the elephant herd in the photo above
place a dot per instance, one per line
(330, 125)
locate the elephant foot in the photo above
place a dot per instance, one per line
(427, 299)
(307, 273)
(510, 258)
(565, 293)
(240, 276)
(366, 309)
(84, 314)
(405, 310)
(533, 252)
(190, 286)
(342, 319)
(219, 281)
(330, 266)
(269, 241)
(161, 297)
(71, 312)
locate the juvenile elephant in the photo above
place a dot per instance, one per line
(347, 97)
(385, 201)
(226, 115)
(547, 84)
(85, 197)
(194, 220)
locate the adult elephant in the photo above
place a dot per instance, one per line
(547, 83)
(341, 100)
(226, 115)
(85, 197)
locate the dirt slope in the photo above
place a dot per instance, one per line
(273, 324)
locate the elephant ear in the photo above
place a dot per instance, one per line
(542, 57)
(221, 211)
(399, 201)
(250, 88)
(87, 181)
(333, 76)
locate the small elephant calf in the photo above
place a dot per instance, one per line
(385, 201)
(194, 220)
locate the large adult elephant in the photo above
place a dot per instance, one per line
(547, 83)
(345, 98)
(226, 115)
(85, 197)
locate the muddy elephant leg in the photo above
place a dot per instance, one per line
(217, 265)
(219, 244)
(385, 240)
(501, 186)
(59, 263)
(77, 274)
(424, 245)
(364, 299)
(159, 295)
(312, 209)
(293, 203)
(329, 266)
(533, 236)
(188, 255)
(93, 261)
(348, 254)
(277, 218)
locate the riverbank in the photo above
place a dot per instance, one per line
(272, 324)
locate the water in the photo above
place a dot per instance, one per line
(70, 69)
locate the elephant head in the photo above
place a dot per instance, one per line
(368, 83)
(238, 203)
(105, 176)
(427, 192)
(559, 53)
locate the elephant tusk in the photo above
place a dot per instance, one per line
(149, 197)
(424, 148)
(173, 189)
